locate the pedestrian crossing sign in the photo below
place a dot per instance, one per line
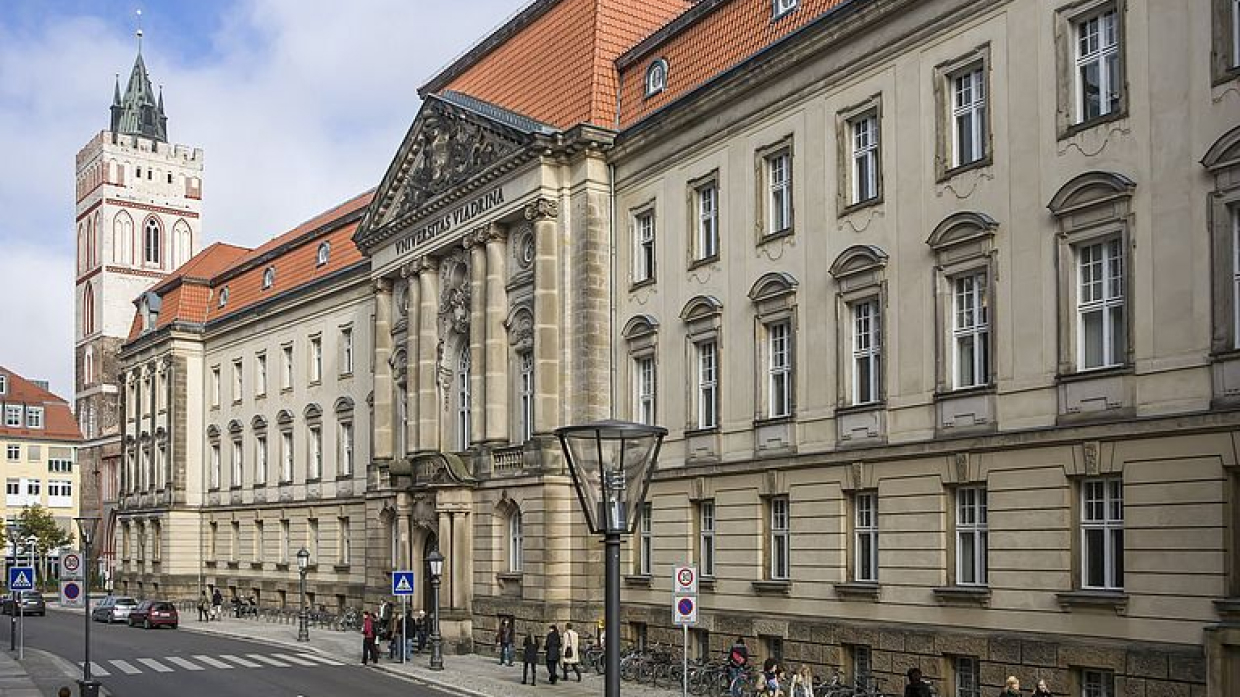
(21, 578)
(402, 583)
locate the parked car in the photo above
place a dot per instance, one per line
(32, 603)
(113, 609)
(154, 613)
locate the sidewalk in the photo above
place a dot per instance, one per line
(14, 682)
(475, 675)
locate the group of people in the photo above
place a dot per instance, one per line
(561, 651)
(389, 626)
(209, 607)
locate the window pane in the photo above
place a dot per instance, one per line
(1117, 551)
(1091, 337)
(1118, 336)
(1090, 91)
(965, 361)
(864, 572)
(968, 558)
(1095, 559)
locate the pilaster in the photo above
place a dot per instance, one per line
(428, 414)
(495, 365)
(477, 333)
(381, 445)
(413, 335)
(543, 213)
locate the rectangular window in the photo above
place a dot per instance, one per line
(34, 417)
(316, 359)
(780, 539)
(645, 555)
(346, 351)
(970, 330)
(1102, 533)
(779, 183)
(236, 381)
(312, 539)
(525, 427)
(316, 453)
(971, 536)
(260, 459)
(58, 464)
(213, 541)
(865, 157)
(1097, 683)
(13, 415)
(259, 541)
(779, 369)
(708, 384)
(346, 449)
(13, 452)
(643, 389)
(287, 369)
(968, 116)
(643, 251)
(968, 677)
(867, 352)
(862, 666)
(706, 539)
(215, 386)
(285, 539)
(234, 542)
(1100, 304)
(1099, 84)
(865, 537)
(237, 464)
(4, 384)
(215, 465)
(708, 221)
(516, 543)
(34, 453)
(344, 541)
(1235, 265)
(286, 456)
(260, 375)
(464, 401)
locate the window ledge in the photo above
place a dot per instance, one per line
(861, 408)
(860, 205)
(281, 566)
(963, 595)
(509, 576)
(949, 394)
(706, 584)
(947, 174)
(704, 261)
(1082, 375)
(858, 590)
(638, 580)
(344, 477)
(773, 587)
(637, 285)
(707, 431)
(209, 564)
(774, 420)
(1075, 128)
(777, 235)
(1224, 356)
(1228, 608)
(314, 480)
(340, 567)
(256, 565)
(234, 565)
(1094, 599)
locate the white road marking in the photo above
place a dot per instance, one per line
(178, 661)
(212, 662)
(126, 667)
(293, 659)
(240, 661)
(96, 669)
(320, 659)
(154, 665)
(268, 660)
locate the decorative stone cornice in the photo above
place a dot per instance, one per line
(542, 209)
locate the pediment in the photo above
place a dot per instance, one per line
(456, 144)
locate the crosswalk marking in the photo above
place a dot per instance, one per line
(293, 659)
(320, 659)
(97, 670)
(212, 662)
(240, 661)
(177, 660)
(154, 665)
(126, 667)
(268, 660)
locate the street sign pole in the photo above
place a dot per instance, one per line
(404, 622)
(684, 671)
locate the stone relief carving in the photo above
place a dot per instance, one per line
(520, 326)
(453, 320)
(541, 209)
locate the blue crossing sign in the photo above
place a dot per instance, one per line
(402, 583)
(21, 578)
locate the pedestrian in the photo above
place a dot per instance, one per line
(423, 630)
(916, 687)
(503, 641)
(217, 601)
(738, 661)
(770, 678)
(572, 652)
(1041, 690)
(370, 650)
(394, 639)
(802, 683)
(1011, 688)
(551, 647)
(203, 604)
(410, 634)
(529, 659)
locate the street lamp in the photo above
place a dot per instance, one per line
(434, 560)
(611, 463)
(303, 620)
(87, 687)
(13, 531)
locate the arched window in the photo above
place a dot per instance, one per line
(151, 237)
(269, 277)
(81, 239)
(182, 243)
(656, 77)
(325, 251)
(516, 542)
(88, 310)
(88, 366)
(122, 238)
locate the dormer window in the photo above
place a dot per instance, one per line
(783, 7)
(224, 296)
(269, 277)
(656, 77)
(325, 251)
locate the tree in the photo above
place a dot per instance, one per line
(37, 523)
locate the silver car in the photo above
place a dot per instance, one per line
(113, 609)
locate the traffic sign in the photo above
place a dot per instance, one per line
(402, 583)
(71, 594)
(684, 610)
(685, 581)
(21, 578)
(70, 565)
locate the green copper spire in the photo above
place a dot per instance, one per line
(138, 113)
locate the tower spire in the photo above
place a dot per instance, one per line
(139, 112)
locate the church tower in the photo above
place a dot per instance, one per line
(139, 204)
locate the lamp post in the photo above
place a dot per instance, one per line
(87, 687)
(303, 619)
(611, 463)
(12, 529)
(434, 560)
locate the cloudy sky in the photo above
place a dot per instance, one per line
(298, 105)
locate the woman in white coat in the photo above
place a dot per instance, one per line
(571, 656)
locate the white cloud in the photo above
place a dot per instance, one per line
(298, 105)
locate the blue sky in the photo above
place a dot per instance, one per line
(298, 105)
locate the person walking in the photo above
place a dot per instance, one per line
(503, 641)
(916, 687)
(738, 661)
(203, 604)
(771, 672)
(370, 650)
(1041, 690)
(529, 659)
(572, 652)
(217, 601)
(802, 683)
(552, 648)
(1011, 688)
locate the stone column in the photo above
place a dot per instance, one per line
(477, 334)
(495, 337)
(428, 364)
(404, 510)
(412, 344)
(381, 447)
(543, 213)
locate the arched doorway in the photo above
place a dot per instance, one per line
(430, 543)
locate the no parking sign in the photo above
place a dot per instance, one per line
(685, 611)
(71, 594)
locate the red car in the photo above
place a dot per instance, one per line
(154, 613)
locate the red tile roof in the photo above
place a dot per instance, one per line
(58, 421)
(185, 293)
(702, 44)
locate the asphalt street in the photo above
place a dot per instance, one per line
(133, 662)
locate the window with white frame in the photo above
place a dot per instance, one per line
(285, 541)
(463, 401)
(866, 351)
(707, 384)
(237, 463)
(782, 7)
(863, 132)
(779, 369)
(644, 389)
(643, 247)
(516, 543)
(346, 449)
(346, 351)
(706, 539)
(13, 415)
(316, 453)
(1235, 271)
(1097, 683)
(59, 493)
(215, 465)
(260, 459)
(1102, 533)
(13, 452)
(34, 417)
(779, 542)
(286, 456)
(970, 330)
(152, 238)
(344, 540)
(287, 367)
(215, 386)
(525, 395)
(656, 77)
(968, 676)
(779, 191)
(260, 375)
(645, 540)
(316, 359)
(1101, 332)
(972, 543)
(57, 464)
(865, 537)
(1099, 83)
(707, 246)
(969, 124)
(236, 386)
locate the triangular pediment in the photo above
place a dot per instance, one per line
(456, 145)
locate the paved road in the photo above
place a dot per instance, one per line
(133, 662)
